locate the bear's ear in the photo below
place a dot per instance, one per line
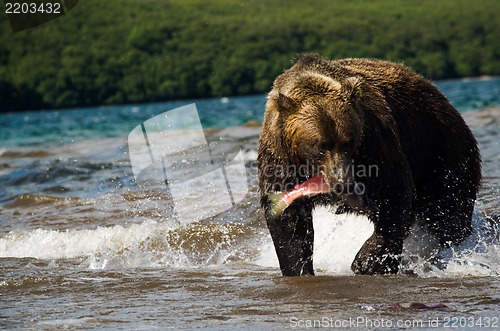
(308, 59)
(285, 103)
(351, 85)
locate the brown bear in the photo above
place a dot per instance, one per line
(370, 137)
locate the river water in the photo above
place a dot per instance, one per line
(85, 245)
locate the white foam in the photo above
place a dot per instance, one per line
(266, 255)
(147, 244)
(250, 155)
(50, 244)
(477, 256)
(337, 239)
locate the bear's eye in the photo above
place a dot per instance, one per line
(324, 147)
(349, 144)
(347, 147)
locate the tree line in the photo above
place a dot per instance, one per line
(126, 51)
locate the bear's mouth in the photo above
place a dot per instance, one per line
(347, 193)
(313, 186)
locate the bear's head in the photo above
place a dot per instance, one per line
(317, 122)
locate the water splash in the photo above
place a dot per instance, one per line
(148, 244)
(339, 237)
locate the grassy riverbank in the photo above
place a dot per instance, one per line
(124, 51)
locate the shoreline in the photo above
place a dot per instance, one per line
(222, 99)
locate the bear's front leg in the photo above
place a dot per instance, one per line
(381, 253)
(293, 236)
(378, 256)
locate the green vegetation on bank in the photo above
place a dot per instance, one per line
(127, 51)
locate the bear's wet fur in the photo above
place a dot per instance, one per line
(323, 117)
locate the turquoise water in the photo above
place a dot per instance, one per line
(48, 128)
(64, 126)
(84, 245)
